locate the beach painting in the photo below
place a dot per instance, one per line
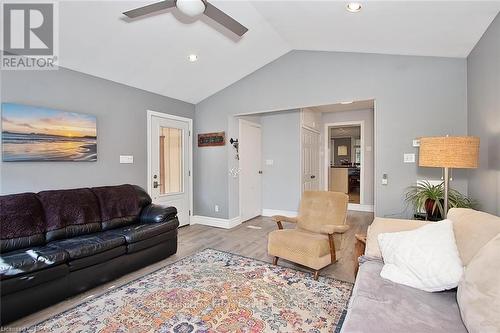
(32, 133)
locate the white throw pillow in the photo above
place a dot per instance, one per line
(426, 258)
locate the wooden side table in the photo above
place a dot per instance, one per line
(359, 250)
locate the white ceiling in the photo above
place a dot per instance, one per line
(151, 53)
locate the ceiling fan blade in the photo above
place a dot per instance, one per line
(222, 18)
(155, 7)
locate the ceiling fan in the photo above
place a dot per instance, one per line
(191, 8)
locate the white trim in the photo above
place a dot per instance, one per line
(216, 222)
(360, 208)
(302, 106)
(291, 213)
(272, 212)
(149, 116)
(310, 129)
(375, 150)
(250, 123)
(326, 155)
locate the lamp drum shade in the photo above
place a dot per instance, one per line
(449, 152)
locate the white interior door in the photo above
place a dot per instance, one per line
(250, 151)
(310, 160)
(170, 161)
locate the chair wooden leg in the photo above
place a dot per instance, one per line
(316, 275)
(333, 255)
(275, 261)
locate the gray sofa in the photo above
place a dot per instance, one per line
(379, 305)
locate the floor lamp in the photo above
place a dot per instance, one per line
(449, 152)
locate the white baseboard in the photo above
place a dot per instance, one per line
(360, 208)
(216, 222)
(291, 213)
(272, 212)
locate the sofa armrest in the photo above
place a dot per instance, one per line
(382, 225)
(156, 214)
(331, 229)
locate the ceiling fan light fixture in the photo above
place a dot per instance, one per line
(354, 7)
(191, 8)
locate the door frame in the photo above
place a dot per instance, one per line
(326, 176)
(149, 117)
(240, 122)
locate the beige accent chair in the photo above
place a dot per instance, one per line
(321, 223)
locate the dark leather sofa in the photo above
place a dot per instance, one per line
(55, 244)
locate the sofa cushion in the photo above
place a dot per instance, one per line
(473, 229)
(425, 258)
(378, 306)
(88, 245)
(384, 225)
(150, 242)
(479, 290)
(120, 205)
(32, 279)
(97, 258)
(70, 213)
(21, 222)
(139, 232)
(20, 262)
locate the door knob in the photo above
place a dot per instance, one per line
(313, 176)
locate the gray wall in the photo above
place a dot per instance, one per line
(483, 85)
(121, 128)
(415, 96)
(281, 143)
(368, 169)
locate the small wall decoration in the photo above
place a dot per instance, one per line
(211, 139)
(342, 150)
(32, 133)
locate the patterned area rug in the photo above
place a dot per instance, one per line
(212, 291)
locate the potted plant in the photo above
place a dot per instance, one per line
(427, 196)
(431, 199)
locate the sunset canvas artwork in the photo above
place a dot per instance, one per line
(32, 133)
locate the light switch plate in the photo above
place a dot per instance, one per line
(409, 158)
(126, 159)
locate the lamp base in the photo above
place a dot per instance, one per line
(446, 190)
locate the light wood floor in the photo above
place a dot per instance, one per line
(241, 240)
(354, 198)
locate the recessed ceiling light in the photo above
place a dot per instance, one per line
(346, 102)
(353, 7)
(192, 57)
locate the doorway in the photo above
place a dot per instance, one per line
(170, 162)
(344, 159)
(250, 165)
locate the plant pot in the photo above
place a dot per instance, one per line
(432, 216)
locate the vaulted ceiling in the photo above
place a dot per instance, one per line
(151, 53)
